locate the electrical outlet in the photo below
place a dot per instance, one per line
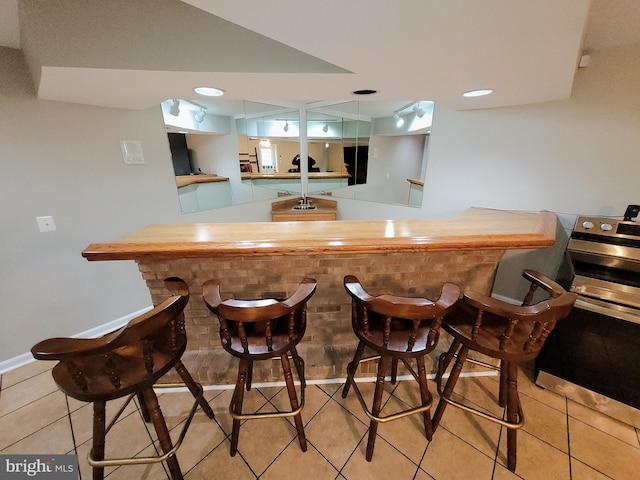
(46, 224)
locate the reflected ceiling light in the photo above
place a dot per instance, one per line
(399, 120)
(477, 93)
(209, 91)
(326, 145)
(265, 143)
(286, 126)
(199, 116)
(325, 129)
(174, 109)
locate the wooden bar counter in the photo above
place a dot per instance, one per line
(254, 260)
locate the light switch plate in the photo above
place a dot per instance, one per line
(132, 152)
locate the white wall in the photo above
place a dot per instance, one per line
(392, 160)
(65, 160)
(579, 156)
(575, 156)
(219, 154)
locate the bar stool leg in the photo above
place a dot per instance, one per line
(512, 412)
(249, 375)
(236, 404)
(502, 392)
(352, 367)
(425, 397)
(97, 450)
(451, 383)
(299, 364)
(163, 433)
(293, 400)
(394, 370)
(377, 404)
(445, 359)
(143, 408)
(193, 388)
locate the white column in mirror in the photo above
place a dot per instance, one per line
(304, 154)
(132, 152)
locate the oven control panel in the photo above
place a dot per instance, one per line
(608, 226)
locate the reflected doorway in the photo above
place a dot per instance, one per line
(356, 159)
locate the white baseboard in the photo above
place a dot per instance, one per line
(510, 300)
(26, 358)
(325, 381)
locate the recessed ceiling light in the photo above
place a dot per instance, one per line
(364, 92)
(477, 93)
(209, 91)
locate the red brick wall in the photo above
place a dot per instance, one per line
(329, 342)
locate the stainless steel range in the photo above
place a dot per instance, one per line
(593, 356)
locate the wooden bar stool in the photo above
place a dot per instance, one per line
(253, 330)
(396, 328)
(510, 333)
(128, 362)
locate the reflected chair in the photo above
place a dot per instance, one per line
(510, 333)
(397, 329)
(126, 363)
(253, 330)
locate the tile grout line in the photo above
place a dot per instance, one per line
(568, 418)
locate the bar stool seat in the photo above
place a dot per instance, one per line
(509, 333)
(253, 330)
(128, 362)
(397, 329)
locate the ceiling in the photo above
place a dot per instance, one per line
(128, 54)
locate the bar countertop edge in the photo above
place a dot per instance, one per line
(474, 229)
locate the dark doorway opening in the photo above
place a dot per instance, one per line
(356, 159)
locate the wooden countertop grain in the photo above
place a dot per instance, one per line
(184, 180)
(475, 229)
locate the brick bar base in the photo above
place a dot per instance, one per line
(329, 342)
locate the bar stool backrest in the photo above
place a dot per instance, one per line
(513, 332)
(396, 323)
(260, 327)
(117, 363)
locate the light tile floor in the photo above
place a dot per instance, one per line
(560, 440)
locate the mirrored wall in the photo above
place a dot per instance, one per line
(227, 152)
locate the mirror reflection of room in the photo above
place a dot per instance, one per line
(236, 152)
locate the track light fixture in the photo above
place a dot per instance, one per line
(174, 109)
(414, 107)
(325, 129)
(286, 126)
